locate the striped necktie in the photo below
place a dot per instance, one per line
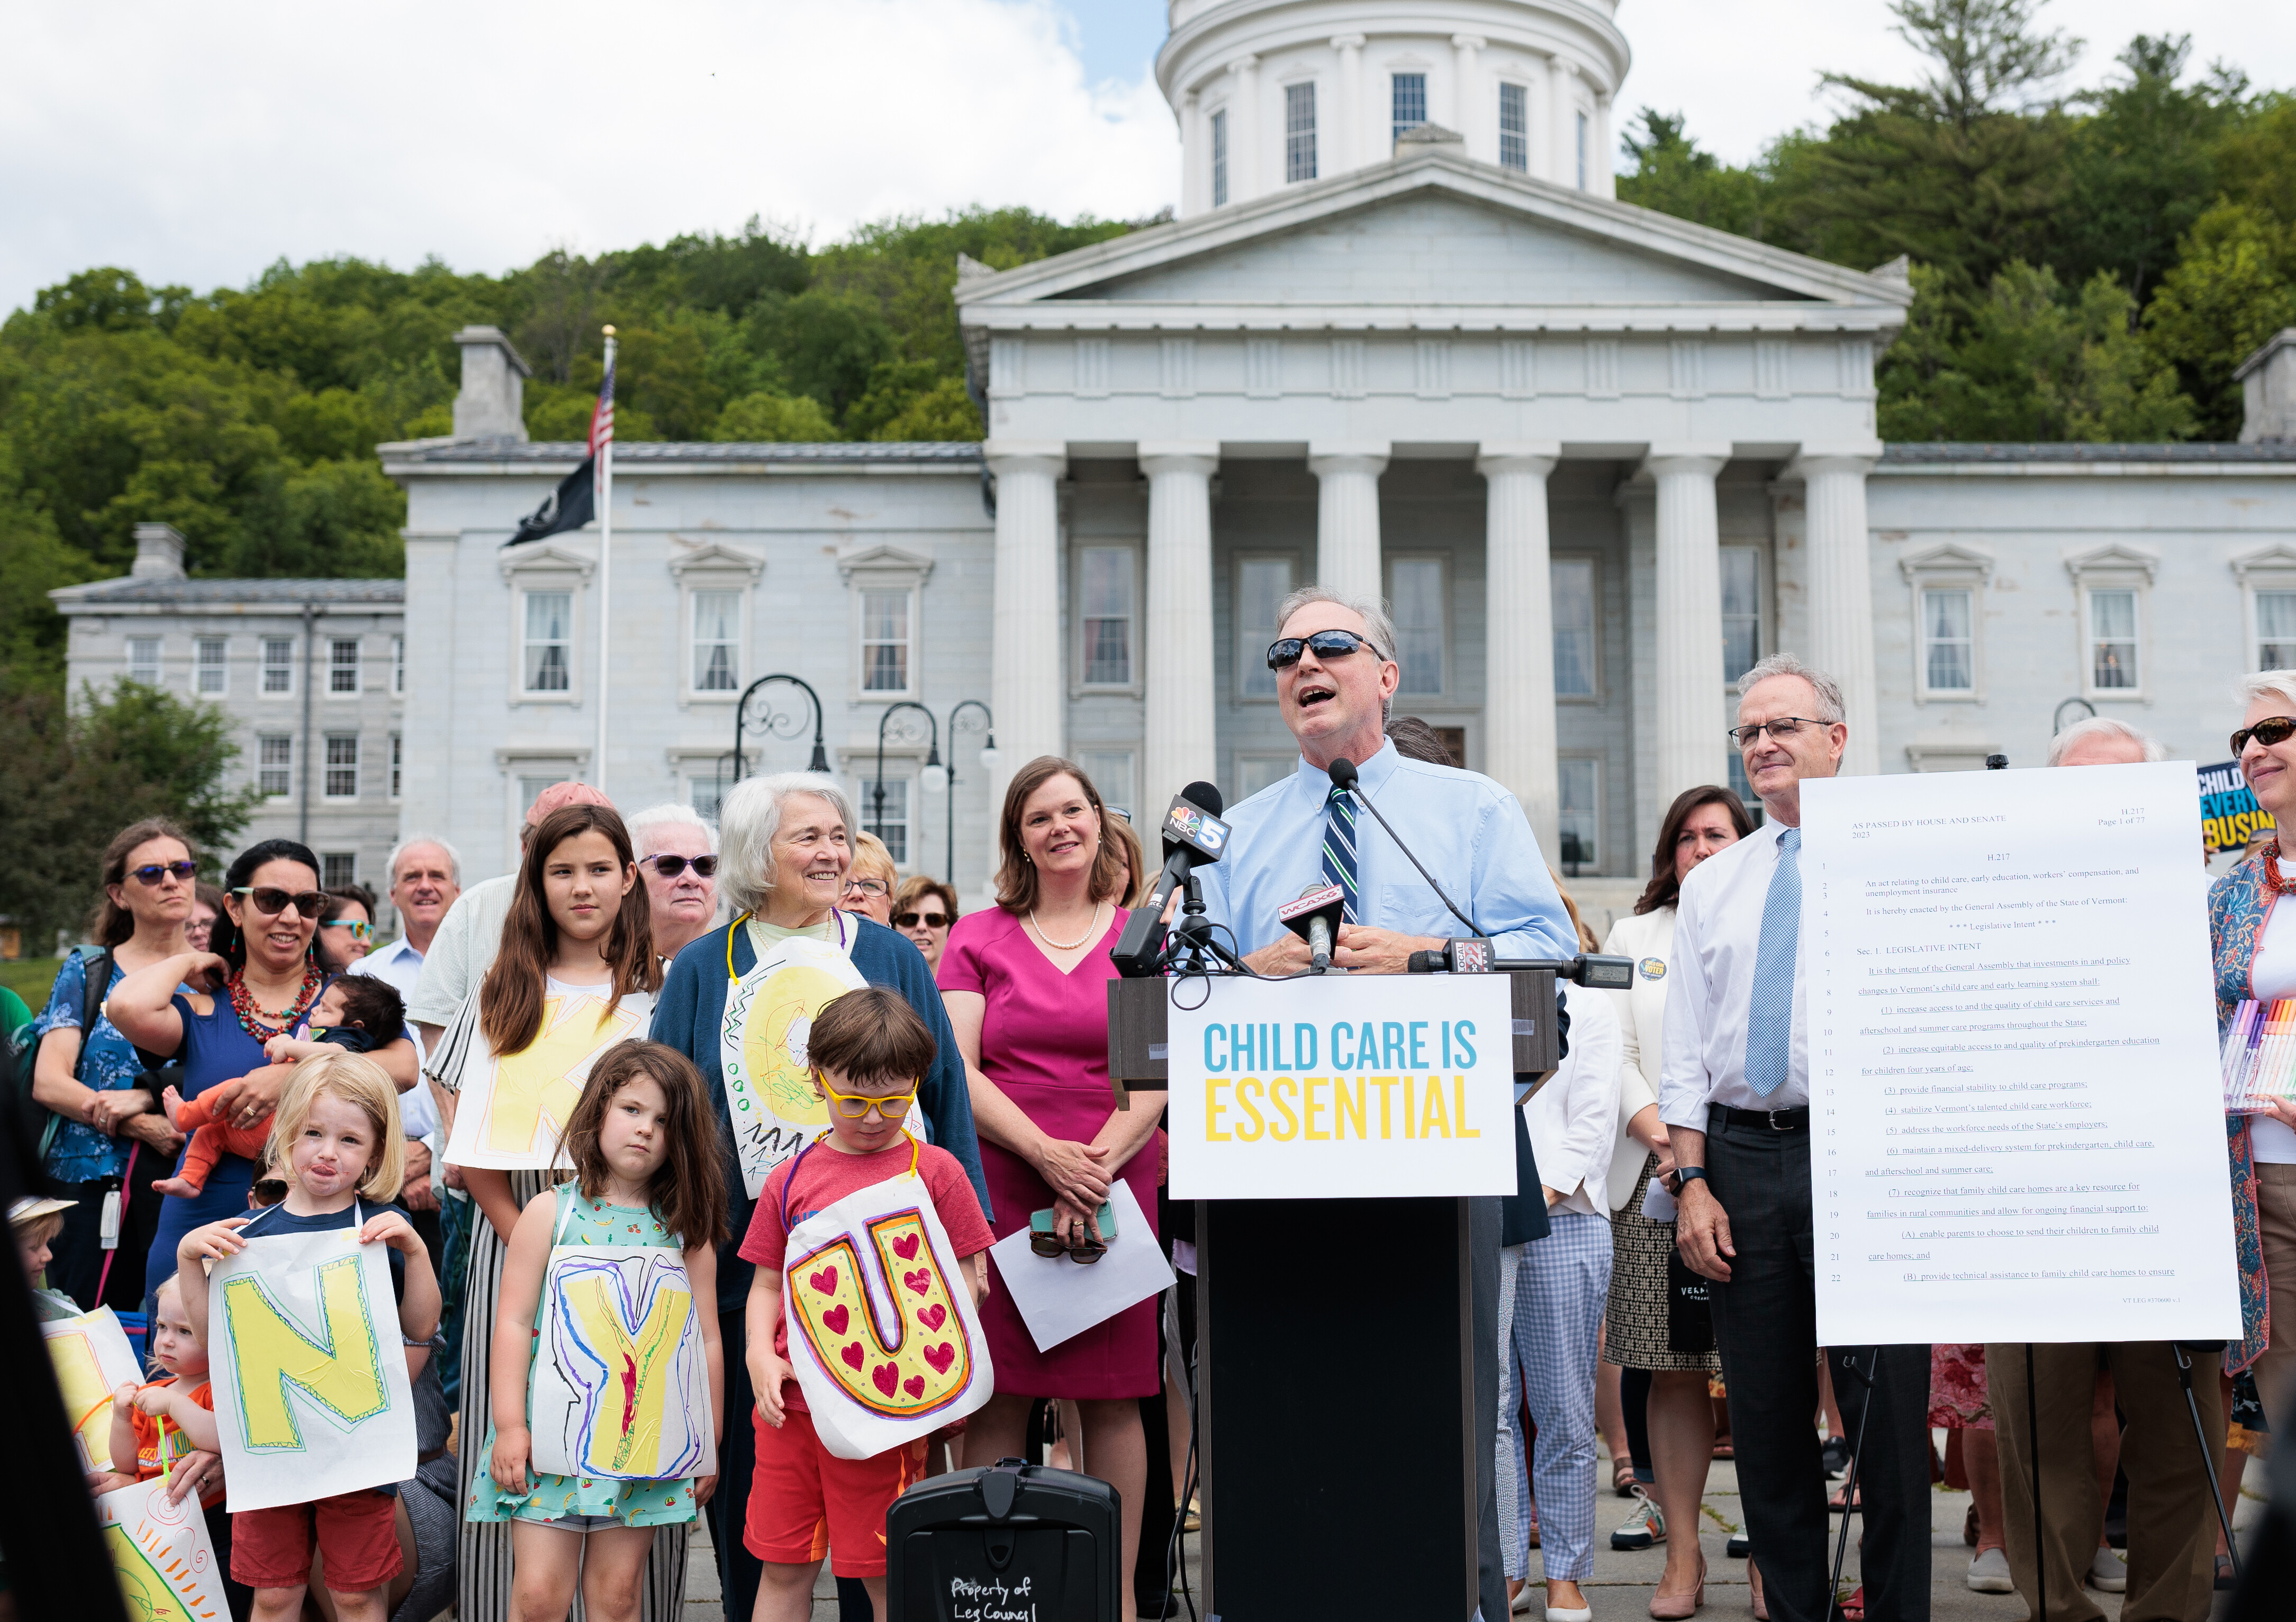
(1339, 850)
(1769, 1022)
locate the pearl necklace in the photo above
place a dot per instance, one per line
(1090, 930)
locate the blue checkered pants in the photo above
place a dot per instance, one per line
(1553, 1293)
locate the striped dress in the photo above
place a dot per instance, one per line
(482, 1576)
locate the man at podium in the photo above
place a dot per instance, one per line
(1335, 672)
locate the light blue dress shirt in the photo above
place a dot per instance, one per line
(1471, 833)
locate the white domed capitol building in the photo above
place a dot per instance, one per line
(1400, 339)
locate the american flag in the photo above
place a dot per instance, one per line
(601, 420)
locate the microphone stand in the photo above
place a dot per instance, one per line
(1355, 786)
(1192, 949)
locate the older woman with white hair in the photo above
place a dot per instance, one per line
(677, 858)
(748, 991)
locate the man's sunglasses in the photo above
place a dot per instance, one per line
(363, 933)
(910, 921)
(670, 866)
(1284, 651)
(151, 872)
(1782, 728)
(2269, 731)
(271, 903)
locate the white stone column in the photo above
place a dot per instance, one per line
(1193, 158)
(1025, 687)
(1179, 643)
(1467, 111)
(1346, 514)
(1348, 144)
(1519, 615)
(1602, 178)
(1561, 121)
(1691, 699)
(1841, 588)
(1244, 179)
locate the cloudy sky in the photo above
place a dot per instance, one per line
(197, 144)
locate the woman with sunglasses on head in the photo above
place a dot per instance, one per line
(346, 927)
(110, 1134)
(870, 883)
(922, 910)
(677, 858)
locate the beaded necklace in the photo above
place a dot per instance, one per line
(250, 1018)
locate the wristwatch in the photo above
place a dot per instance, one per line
(1687, 1174)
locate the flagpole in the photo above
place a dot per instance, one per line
(605, 453)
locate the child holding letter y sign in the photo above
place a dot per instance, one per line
(337, 1141)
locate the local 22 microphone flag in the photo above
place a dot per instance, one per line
(575, 502)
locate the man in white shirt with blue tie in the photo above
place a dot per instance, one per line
(1733, 1092)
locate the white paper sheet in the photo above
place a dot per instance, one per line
(2018, 1114)
(1057, 1299)
(1657, 1205)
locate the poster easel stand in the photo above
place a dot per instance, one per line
(2178, 1351)
(1849, 1487)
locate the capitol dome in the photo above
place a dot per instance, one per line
(1272, 92)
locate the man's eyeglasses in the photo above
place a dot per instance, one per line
(670, 866)
(910, 921)
(363, 933)
(2269, 731)
(271, 903)
(1284, 651)
(151, 872)
(871, 888)
(855, 1106)
(1782, 728)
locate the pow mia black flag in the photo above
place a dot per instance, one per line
(572, 504)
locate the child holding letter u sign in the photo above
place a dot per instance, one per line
(644, 1148)
(336, 1141)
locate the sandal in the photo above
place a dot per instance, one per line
(1622, 1477)
(1723, 1449)
(1840, 1502)
(1754, 1592)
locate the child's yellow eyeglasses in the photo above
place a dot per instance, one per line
(855, 1106)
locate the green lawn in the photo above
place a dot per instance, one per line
(30, 978)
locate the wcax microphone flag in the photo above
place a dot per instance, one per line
(572, 504)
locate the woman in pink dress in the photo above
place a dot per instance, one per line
(1026, 985)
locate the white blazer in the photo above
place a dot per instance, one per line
(1649, 940)
(1572, 1117)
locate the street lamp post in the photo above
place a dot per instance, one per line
(775, 723)
(934, 767)
(988, 726)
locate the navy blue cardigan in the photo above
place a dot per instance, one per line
(691, 1010)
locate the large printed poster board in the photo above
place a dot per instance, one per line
(2017, 1105)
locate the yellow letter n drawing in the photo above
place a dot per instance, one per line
(340, 1371)
(533, 1084)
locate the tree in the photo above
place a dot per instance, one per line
(2234, 285)
(774, 419)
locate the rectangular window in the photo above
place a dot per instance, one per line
(1571, 591)
(1300, 132)
(2276, 630)
(343, 665)
(143, 660)
(397, 762)
(1104, 615)
(885, 641)
(211, 672)
(1261, 584)
(2112, 639)
(1219, 159)
(1514, 127)
(549, 643)
(1254, 773)
(1410, 101)
(1744, 789)
(1414, 585)
(717, 641)
(1948, 655)
(1741, 611)
(890, 821)
(399, 664)
(338, 869)
(1578, 786)
(278, 663)
(1582, 151)
(1111, 771)
(704, 791)
(275, 766)
(341, 782)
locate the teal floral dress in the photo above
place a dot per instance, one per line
(553, 1497)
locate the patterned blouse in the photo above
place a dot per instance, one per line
(2240, 903)
(80, 1153)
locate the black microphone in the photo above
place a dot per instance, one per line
(1193, 834)
(1342, 773)
(1314, 917)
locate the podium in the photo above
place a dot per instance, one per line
(1338, 1437)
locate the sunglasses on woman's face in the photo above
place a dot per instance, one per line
(1284, 651)
(669, 866)
(363, 933)
(271, 903)
(151, 872)
(932, 921)
(2269, 731)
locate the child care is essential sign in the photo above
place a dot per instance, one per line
(1341, 1086)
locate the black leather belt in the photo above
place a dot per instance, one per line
(1766, 1120)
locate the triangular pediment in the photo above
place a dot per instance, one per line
(1434, 229)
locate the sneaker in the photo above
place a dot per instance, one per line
(1644, 1526)
(2108, 1573)
(1989, 1573)
(1836, 1456)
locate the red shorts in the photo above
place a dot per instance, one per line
(358, 1532)
(805, 1501)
